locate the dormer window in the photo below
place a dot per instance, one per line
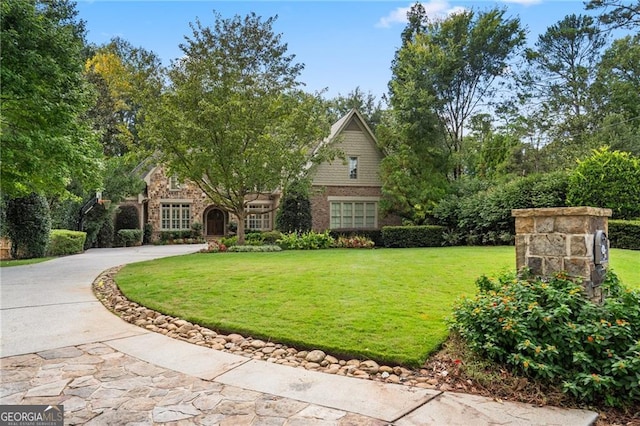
(174, 183)
(353, 167)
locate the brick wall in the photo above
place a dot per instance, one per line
(320, 205)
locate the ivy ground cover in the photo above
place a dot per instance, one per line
(390, 305)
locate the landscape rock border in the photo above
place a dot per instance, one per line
(435, 375)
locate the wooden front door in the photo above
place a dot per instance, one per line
(215, 222)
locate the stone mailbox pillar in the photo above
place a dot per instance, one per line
(550, 240)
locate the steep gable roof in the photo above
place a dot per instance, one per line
(341, 125)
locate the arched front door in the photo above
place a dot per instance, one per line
(215, 222)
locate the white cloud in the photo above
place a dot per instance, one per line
(435, 9)
(397, 16)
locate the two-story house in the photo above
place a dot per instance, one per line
(345, 193)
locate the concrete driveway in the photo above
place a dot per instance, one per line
(51, 305)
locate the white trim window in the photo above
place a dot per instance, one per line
(258, 216)
(354, 215)
(174, 183)
(353, 167)
(175, 217)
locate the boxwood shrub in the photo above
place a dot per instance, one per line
(625, 234)
(63, 242)
(412, 236)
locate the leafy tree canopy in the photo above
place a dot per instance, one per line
(234, 120)
(444, 73)
(452, 67)
(125, 79)
(617, 13)
(45, 141)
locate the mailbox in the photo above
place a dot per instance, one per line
(601, 249)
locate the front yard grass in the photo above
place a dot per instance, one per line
(389, 305)
(23, 262)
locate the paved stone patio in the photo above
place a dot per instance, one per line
(100, 386)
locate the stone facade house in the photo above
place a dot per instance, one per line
(345, 193)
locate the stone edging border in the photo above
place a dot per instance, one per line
(107, 291)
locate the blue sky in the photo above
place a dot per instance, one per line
(343, 44)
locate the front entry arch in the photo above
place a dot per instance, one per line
(215, 222)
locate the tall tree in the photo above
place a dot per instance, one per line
(617, 13)
(444, 72)
(45, 140)
(458, 64)
(234, 120)
(125, 78)
(562, 67)
(616, 92)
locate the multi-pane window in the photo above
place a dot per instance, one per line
(347, 214)
(175, 217)
(174, 183)
(258, 221)
(353, 167)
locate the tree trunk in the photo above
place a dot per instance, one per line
(240, 231)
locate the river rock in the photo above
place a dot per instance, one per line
(316, 356)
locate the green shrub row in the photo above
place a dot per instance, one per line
(624, 234)
(306, 241)
(254, 249)
(549, 330)
(129, 237)
(63, 242)
(476, 215)
(258, 238)
(412, 236)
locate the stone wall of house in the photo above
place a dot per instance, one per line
(5, 248)
(320, 204)
(159, 192)
(550, 240)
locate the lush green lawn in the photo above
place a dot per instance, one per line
(386, 304)
(626, 264)
(21, 262)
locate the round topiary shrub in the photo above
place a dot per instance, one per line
(608, 179)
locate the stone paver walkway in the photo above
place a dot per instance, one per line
(100, 386)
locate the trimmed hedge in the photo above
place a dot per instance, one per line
(413, 236)
(374, 235)
(624, 234)
(64, 241)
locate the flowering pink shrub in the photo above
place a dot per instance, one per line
(353, 242)
(215, 246)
